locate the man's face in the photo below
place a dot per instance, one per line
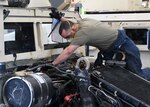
(68, 33)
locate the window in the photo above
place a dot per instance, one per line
(139, 36)
(145, 3)
(55, 37)
(54, 40)
(18, 38)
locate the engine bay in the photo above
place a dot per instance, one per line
(74, 83)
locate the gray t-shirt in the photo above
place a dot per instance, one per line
(95, 33)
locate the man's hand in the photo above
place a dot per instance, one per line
(56, 14)
(67, 52)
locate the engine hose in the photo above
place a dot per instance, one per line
(92, 89)
(99, 100)
(59, 75)
(100, 94)
(52, 66)
(108, 98)
(59, 92)
(119, 104)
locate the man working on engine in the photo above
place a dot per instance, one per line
(98, 34)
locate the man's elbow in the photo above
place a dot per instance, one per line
(71, 49)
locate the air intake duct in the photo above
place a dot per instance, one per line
(33, 90)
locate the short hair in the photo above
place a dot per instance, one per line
(65, 25)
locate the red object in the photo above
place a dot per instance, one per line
(68, 98)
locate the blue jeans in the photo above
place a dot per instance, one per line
(133, 61)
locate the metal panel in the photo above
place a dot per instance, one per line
(56, 3)
(39, 3)
(119, 17)
(111, 5)
(1, 33)
(21, 12)
(148, 39)
(3, 2)
(37, 16)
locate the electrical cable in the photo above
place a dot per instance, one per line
(99, 93)
(118, 102)
(99, 100)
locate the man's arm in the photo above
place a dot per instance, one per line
(65, 54)
(63, 19)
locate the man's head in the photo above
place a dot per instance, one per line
(67, 29)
